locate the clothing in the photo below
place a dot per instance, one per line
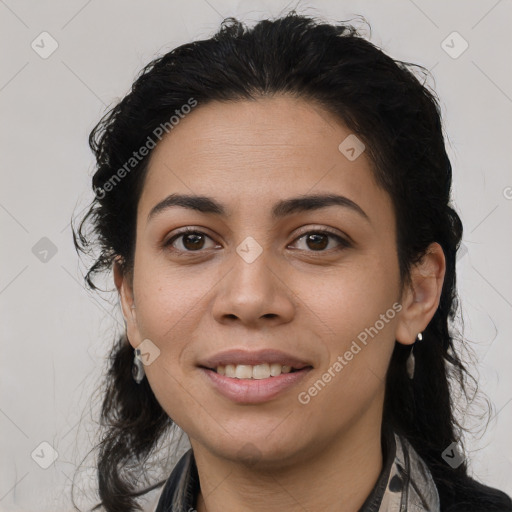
(404, 484)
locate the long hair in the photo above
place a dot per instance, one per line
(398, 118)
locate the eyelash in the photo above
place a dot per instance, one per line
(343, 243)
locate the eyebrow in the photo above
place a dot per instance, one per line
(281, 209)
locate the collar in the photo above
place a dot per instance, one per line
(404, 484)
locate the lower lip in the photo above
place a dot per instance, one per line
(253, 391)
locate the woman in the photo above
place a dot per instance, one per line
(275, 205)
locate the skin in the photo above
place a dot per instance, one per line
(281, 454)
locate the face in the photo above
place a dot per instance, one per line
(316, 283)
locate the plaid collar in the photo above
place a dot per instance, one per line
(405, 483)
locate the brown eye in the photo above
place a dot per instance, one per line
(318, 241)
(191, 241)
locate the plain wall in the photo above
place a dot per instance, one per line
(55, 335)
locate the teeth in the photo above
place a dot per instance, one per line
(275, 369)
(243, 371)
(259, 371)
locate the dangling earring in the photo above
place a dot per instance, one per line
(138, 367)
(411, 362)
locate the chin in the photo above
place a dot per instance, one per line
(258, 452)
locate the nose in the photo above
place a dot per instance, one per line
(254, 295)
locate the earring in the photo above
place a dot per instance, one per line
(411, 362)
(137, 368)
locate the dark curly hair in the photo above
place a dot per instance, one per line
(396, 115)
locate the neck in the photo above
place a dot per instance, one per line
(338, 477)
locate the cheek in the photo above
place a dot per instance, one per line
(359, 343)
(167, 312)
(352, 298)
(357, 311)
(166, 297)
(167, 306)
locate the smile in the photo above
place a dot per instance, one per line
(259, 371)
(239, 384)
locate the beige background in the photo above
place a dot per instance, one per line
(55, 335)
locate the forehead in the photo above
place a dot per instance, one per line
(270, 126)
(250, 152)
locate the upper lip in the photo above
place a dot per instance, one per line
(255, 357)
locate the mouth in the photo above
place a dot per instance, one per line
(255, 377)
(245, 389)
(256, 372)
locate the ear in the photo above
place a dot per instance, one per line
(123, 282)
(420, 297)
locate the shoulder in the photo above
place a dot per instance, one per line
(474, 496)
(181, 488)
(164, 496)
(154, 500)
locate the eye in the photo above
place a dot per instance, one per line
(318, 240)
(192, 240)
